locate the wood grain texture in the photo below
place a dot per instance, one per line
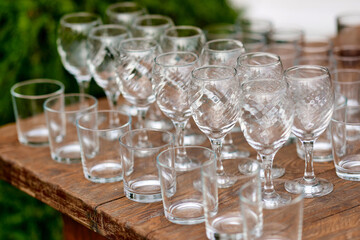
(104, 209)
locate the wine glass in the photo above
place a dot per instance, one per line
(124, 13)
(313, 95)
(171, 80)
(72, 45)
(214, 102)
(134, 70)
(183, 38)
(260, 65)
(224, 52)
(266, 118)
(103, 46)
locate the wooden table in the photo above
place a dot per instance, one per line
(104, 209)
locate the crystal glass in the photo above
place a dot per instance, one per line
(183, 38)
(289, 53)
(134, 70)
(124, 13)
(151, 26)
(224, 52)
(313, 95)
(266, 118)
(104, 48)
(214, 103)
(171, 82)
(72, 45)
(261, 65)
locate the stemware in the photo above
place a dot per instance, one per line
(266, 118)
(171, 80)
(134, 70)
(261, 65)
(103, 45)
(124, 13)
(313, 95)
(214, 103)
(72, 45)
(224, 52)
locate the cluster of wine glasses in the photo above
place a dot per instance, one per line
(219, 78)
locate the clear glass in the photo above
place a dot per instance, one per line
(346, 56)
(313, 95)
(171, 82)
(183, 38)
(316, 46)
(99, 134)
(260, 26)
(139, 149)
(28, 98)
(287, 36)
(214, 102)
(151, 26)
(347, 21)
(61, 114)
(124, 13)
(181, 188)
(72, 45)
(134, 69)
(224, 52)
(345, 129)
(104, 49)
(261, 65)
(283, 222)
(289, 53)
(224, 219)
(266, 118)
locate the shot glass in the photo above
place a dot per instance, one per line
(345, 131)
(139, 149)
(224, 220)
(28, 98)
(61, 114)
(283, 221)
(99, 134)
(181, 188)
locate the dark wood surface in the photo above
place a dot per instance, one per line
(104, 209)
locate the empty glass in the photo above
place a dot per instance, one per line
(313, 96)
(214, 102)
(223, 218)
(139, 149)
(124, 13)
(72, 45)
(99, 134)
(61, 114)
(134, 69)
(104, 48)
(28, 98)
(266, 118)
(181, 188)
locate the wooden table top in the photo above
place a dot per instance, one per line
(104, 208)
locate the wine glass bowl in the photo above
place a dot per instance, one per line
(124, 13)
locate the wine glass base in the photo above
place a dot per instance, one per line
(319, 187)
(276, 172)
(230, 151)
(275, 199)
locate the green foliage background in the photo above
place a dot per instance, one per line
(28, 50)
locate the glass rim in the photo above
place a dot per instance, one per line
(111, 7)
(167, 21)
(273, 56)
(35, 81)
(239, 43)
(128, 123)
(213, 67)
(347, 15)
(333, 118)
(88, 96)
(176, 53)
(198, 31)
(63, 20)
(171, 142)
(139, 39)
(204, 164)
(322, 69)
(105, 27)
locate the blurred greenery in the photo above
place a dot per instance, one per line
(28, 50)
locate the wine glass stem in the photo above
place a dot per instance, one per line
(216, 145)
(309, 175)
(112, 98)
(83, 84)
(180, 134)
(267, 161)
